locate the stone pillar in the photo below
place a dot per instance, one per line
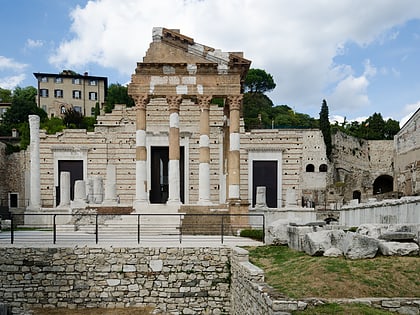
(204, 168)
(234, 146)
(64, 190)
(98, 189)
(261, 198)
(141, 152)
(79, 195)
(174, 103)
(35, 174)
(110, 185)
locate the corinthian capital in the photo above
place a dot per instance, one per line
(235, 101)
(141, 101)
(204, 101)
(174, 102)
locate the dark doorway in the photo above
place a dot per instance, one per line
(357, 195)
(383, 184)
(265, 174)
(159, 185)
(75, 168)
(13, 200)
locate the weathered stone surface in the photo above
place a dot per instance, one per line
(333, 252)
(358, 246)
(398, 249)
(398, 236)
(277, 233)
(317, 243)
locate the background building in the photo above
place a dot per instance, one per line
(65, 90)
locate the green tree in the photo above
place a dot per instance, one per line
(256, 110)
(259, 81)
(5, 96)
(325, 126)
(391, 128)
(117, 94)
(72, 119)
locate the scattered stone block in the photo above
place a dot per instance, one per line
(398, 236)
(358, 246)
(333, 252)
(398, 249)
(316, 243)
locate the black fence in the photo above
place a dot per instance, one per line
(96, 227)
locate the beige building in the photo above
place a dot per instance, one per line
(65, 90)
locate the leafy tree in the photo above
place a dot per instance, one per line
(259, 81)
(72, 119)
(117, 94)
(23, 105)
(5, 96)
(256, 110)
(324, 125)
(53, 125)
(391, 128)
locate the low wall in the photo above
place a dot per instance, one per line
(173, 280)
(395, 211)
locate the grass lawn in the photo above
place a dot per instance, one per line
(298, 275)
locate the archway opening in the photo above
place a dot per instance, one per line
(383, 184)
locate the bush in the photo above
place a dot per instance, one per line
(257, 235)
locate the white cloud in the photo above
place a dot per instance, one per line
(295, 41)
(10, 82)
(10, 64)
(34, 43)
(408, 111)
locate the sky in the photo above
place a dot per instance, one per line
(362, 57)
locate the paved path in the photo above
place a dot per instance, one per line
(80, 239)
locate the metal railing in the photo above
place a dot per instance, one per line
(136, 227)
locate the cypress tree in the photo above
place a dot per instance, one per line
(324, 125)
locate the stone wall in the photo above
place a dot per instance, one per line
(399, 211)
(173, 280)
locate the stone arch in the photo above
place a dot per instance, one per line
(310, 168)
(323, 168)
(383, 184)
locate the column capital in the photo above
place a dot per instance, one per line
(235, 101)
(204, 101)
(174, 102)
(141, 101)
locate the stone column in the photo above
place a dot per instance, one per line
(141, 152)
(98, 190)
(79, 195)
(64, 190)
(110, 185)
(35, 174)
(234, 146)
(174, 103)
(204, 168)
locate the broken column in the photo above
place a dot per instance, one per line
(110, 185)
(79, 195)
(35, 175)
(97, 190)
(64, 190)
(261, 198)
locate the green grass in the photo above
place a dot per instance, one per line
(334, 308)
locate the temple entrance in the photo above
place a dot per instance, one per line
(159, 183)
(265, 174)
(75, 168)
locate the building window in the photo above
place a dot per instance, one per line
(93, 96)
(93, 82)
(63, 109)
(58, 93)
(58, 80)
(44, 79)
(323, 168)
(77, 94)
(77, 81)
(77, 109)
(44, 92)
(310, 168)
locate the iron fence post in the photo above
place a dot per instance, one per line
(138, 228)
(96, 228)
(54, 230)
(12, 231)
(263, 229)
(180, 229)
(222, 227)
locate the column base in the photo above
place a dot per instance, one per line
(139, 204)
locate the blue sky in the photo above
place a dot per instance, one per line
(361, 56)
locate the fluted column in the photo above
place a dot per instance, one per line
(204, 168)
(141, 102)
(234, 146)
(35, 174)
(174, 103)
